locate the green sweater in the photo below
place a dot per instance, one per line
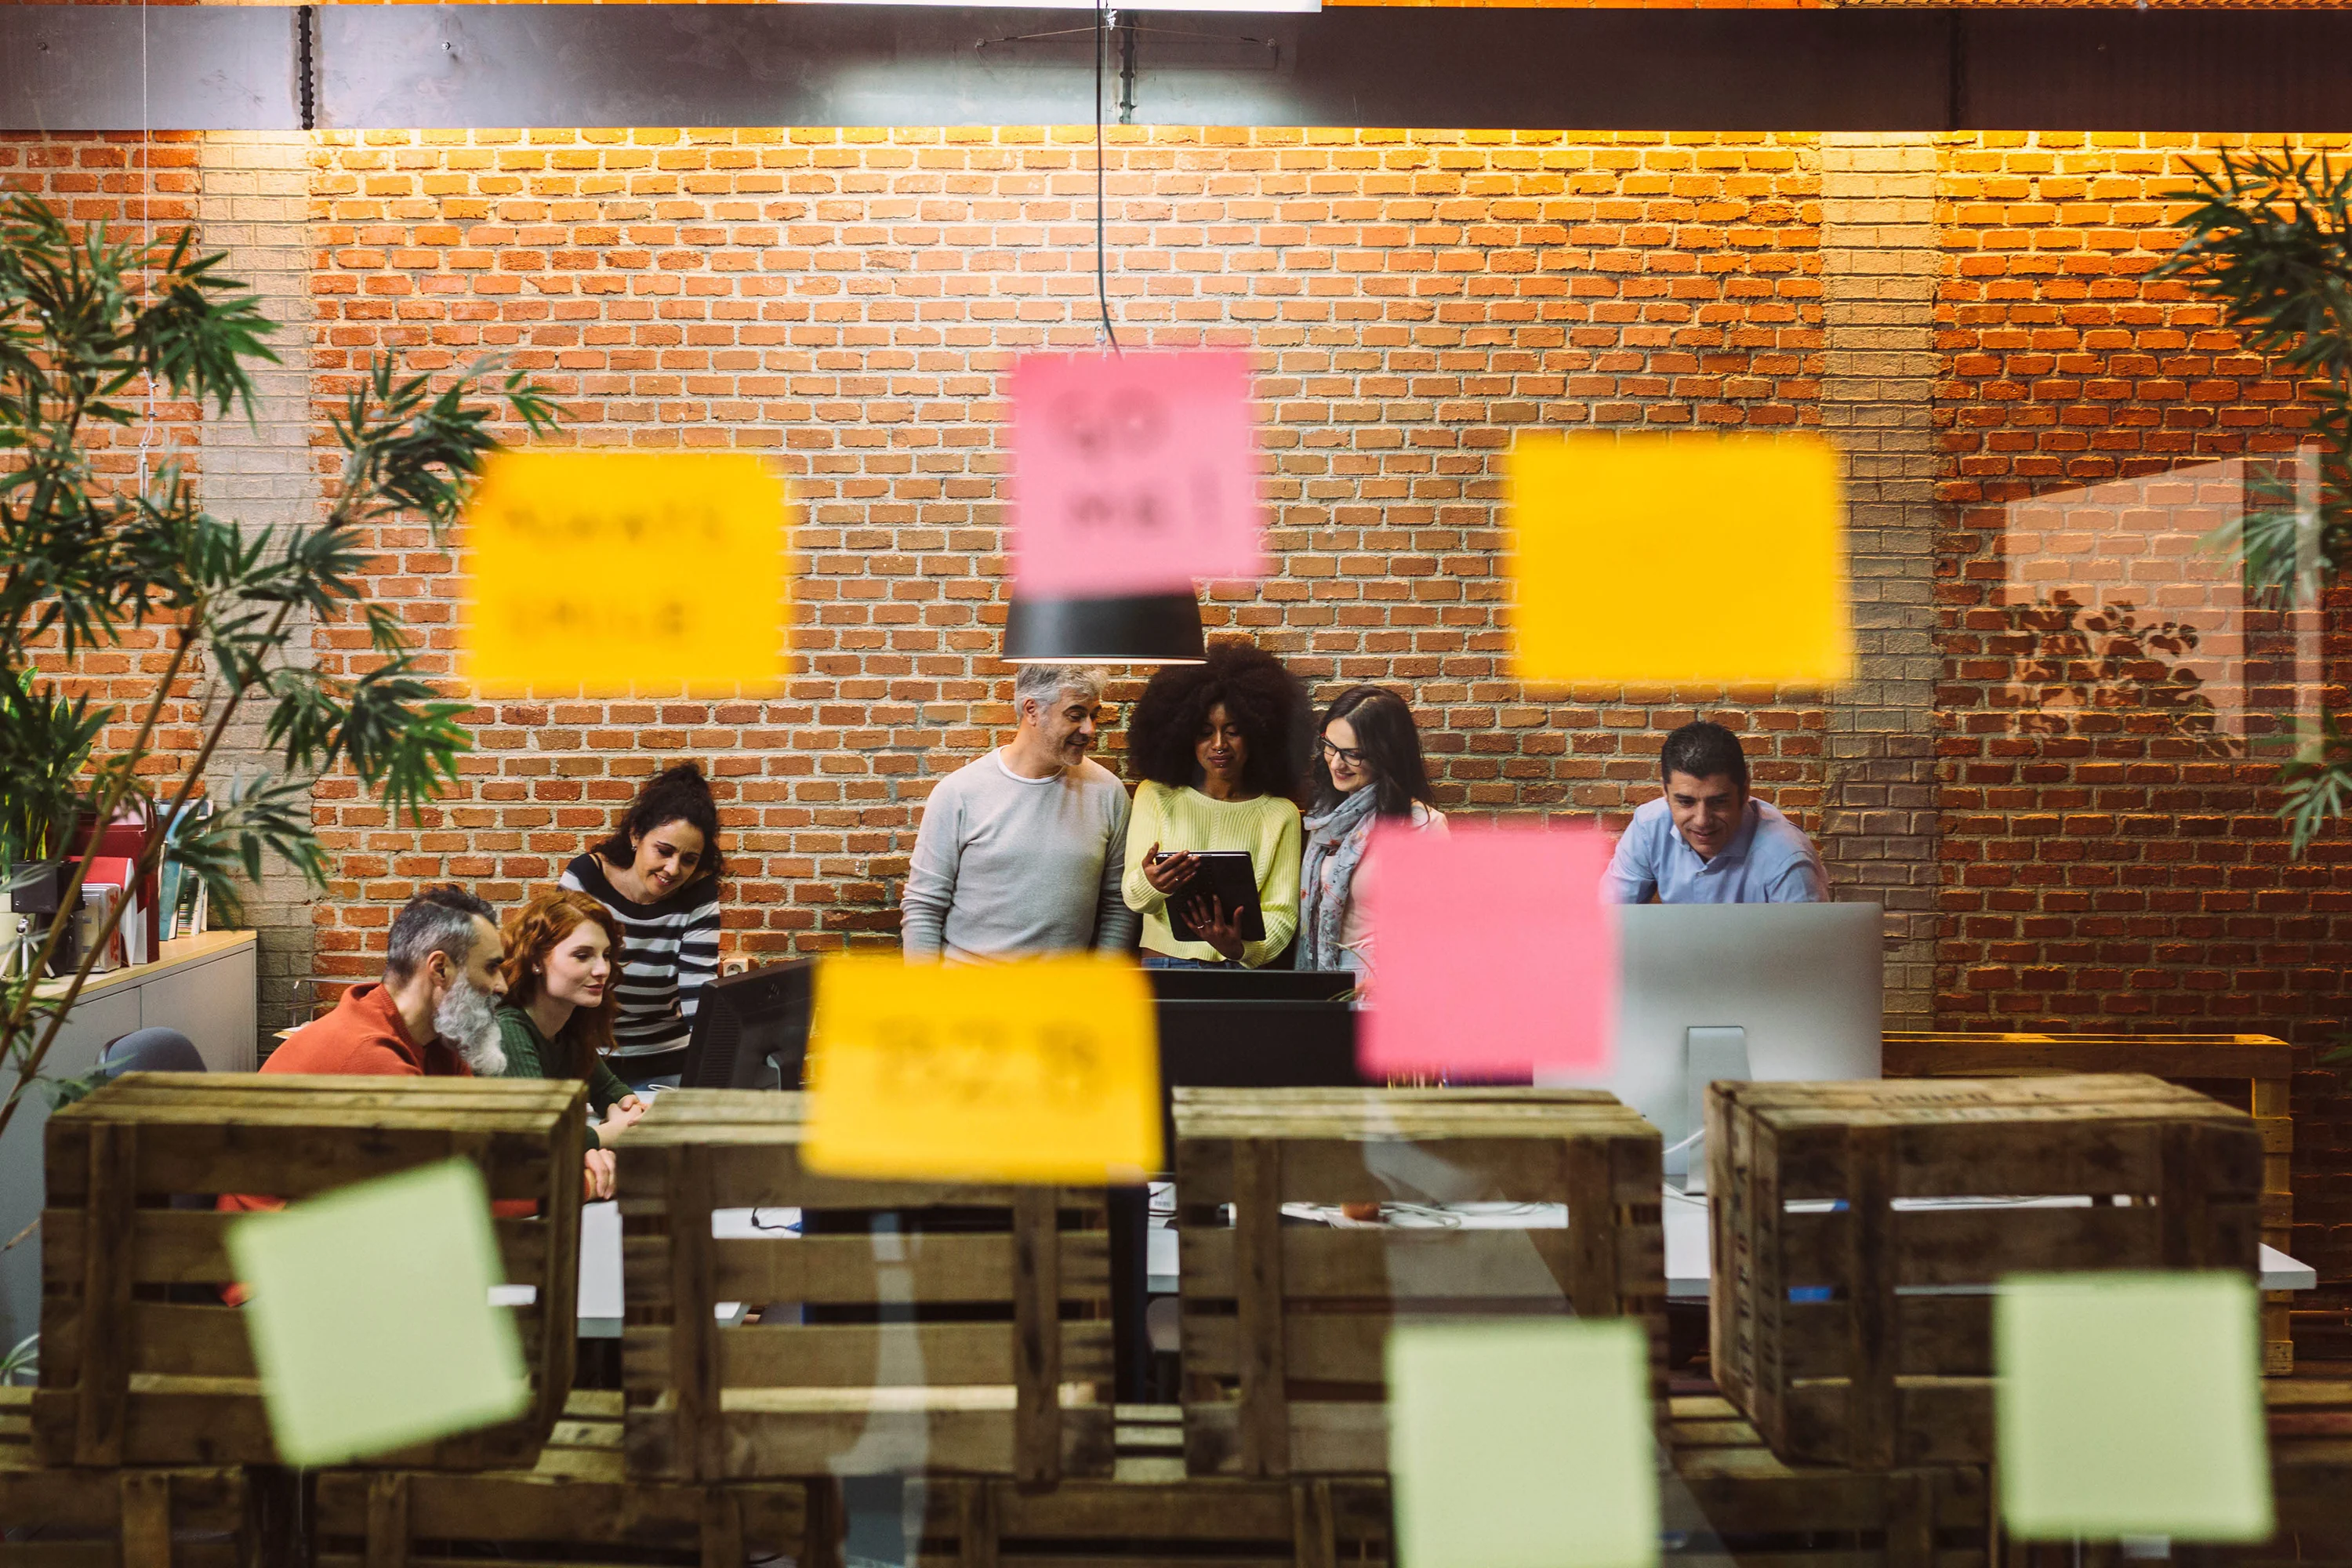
(528, 1053)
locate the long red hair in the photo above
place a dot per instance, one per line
(532, 933)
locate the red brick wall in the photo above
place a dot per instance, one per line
(2113, 868)
(136, 185)
(849, 302)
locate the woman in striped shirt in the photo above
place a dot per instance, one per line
(659, 873)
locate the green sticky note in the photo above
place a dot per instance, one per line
(370, 1319)
(2130, 1405)
(1519, 1444)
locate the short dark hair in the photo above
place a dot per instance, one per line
(438, 919)
(674, 794)
(1390, 742)
(1262, 698)
(1702, 751)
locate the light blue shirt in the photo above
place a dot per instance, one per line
(1769, 861)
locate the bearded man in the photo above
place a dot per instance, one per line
(433, 1014)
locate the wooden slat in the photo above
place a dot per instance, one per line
(1259, 1282)
(936, 1266)
(1434, 1266)
(100, 1413)
(188, 1247)
(849, 1356)
(1036, 1257)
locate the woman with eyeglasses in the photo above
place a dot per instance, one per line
(1368, 768)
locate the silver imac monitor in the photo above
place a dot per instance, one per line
(1787, 992)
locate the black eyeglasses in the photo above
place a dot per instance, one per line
(1331, 754)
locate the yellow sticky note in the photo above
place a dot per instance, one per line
(371, 1316)
(1520, 1444)
(2130, 1405)
(619, 572)
(1040, 1071)
(1681, 560)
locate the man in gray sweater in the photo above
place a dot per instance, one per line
(1022, 851)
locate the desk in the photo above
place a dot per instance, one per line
(601, 1297)
(1689, 1268)
(201, 985)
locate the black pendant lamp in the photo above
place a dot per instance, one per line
(1140, 629)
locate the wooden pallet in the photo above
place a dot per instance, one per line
(1729, 1496)
(1875, 1380)
(1285, 1327)
(87, 1517)
(142, 1363)
(1005, 1369)
(577, 1506)
(2251, 1071)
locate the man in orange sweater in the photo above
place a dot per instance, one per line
(433, 1014)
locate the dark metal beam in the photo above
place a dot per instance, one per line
(69, 68)
(131, 68)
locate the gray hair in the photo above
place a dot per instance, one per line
(438, 919)
(1045, 683)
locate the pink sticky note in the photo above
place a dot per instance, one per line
(1495, 953)
(1132, 474)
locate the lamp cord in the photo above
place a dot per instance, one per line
(1102, 277)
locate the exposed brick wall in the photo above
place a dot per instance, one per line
(136, 187)
(849, 302)
(2111, 867)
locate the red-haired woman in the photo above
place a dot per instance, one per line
(563, 950)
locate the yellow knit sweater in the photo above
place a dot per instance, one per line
(1185, 819)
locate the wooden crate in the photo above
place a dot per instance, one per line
(1209, 1522)
(1727, 1495)
(998, 1361)
(2311, 1474)
(79, 1517)
(1872, 1373)
(142, 1363)
(2253, 1071)
(577, 1506)
(1285, 1327)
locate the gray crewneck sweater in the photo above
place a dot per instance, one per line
(1006, 866)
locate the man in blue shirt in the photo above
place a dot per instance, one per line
(1706, 840)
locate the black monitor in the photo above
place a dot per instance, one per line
(751, 1030)
(1281, 1043)
(1231, 983)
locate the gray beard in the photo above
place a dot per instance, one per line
(467, 1021)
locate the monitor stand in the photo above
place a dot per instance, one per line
(1709, 1055)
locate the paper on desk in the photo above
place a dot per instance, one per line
(370, 1316)
(1132, 473)
(616, 571)
(1047, 1071)
(1496, 955)
(1522, 1444)
(1678, 560)
(2130, 1405)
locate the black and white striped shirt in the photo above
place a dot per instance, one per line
(670, 951)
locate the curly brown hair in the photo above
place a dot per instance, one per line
(531, 934)
(1260, 696)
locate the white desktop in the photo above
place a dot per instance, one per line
(1781, 991)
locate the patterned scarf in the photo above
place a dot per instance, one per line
(1336, 841)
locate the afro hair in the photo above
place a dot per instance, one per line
(1260, 696)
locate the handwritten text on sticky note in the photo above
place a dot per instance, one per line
(1045, 1071)
(1522, 1444)
(2130, 1405)
(1680, 560)
(370, 1319)
(1495, 953)
(1132, 474)
(619, 572)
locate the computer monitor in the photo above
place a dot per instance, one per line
(751, 1030)
(1231, 983)
(1781, 992)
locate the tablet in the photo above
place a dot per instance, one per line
(1227, 875)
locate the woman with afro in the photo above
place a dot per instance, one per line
(1216, 747)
